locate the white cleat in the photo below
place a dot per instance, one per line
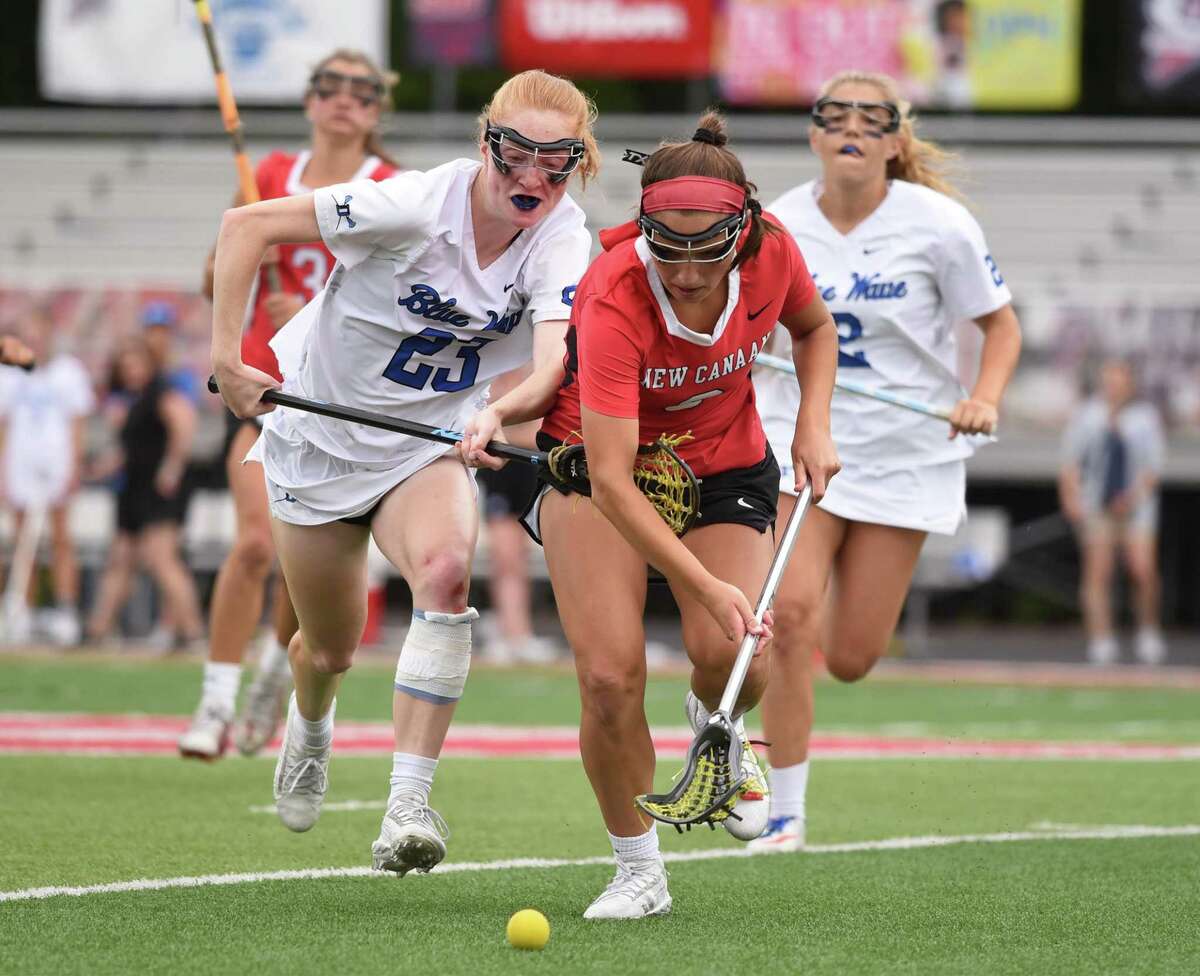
(412, 837)
(752, 807)
(301, 778)
(1149, 647)
(637, 890)
(208, 734)
(783, 835)
(1103, 651)
(262, 710)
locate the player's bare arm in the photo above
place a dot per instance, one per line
(528, 400)
(246, 233)
(979, 413)
(814, 352)
(612, 444)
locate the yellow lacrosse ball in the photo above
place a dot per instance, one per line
(528, 929)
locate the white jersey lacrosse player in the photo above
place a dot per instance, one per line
(41, 417)
(444, 280)
(408, 324)
(900, 263)
(897, 286)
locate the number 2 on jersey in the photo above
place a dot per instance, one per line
(849, 330)
(429, 342)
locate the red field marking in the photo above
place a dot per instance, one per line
(147, 735)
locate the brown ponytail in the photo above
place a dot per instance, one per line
(919, 160)
(373, 143)
(705, 155)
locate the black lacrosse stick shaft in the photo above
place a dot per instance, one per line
(395, 424)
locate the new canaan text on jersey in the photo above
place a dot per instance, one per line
(671, 377)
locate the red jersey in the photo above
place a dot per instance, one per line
(628, 355)
(303, 268)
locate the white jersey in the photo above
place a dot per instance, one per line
(896, 285)
(39, 409)
(408, 323)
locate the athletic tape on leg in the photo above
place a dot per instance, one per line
(436, 656)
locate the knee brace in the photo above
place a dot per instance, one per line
(436, 656)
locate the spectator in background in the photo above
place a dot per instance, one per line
(1113, 452)
(42, 415)
(159, 321)
(156, 428)
(506, 495)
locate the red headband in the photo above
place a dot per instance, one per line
(694, 193)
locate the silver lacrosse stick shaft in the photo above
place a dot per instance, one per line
(733, 687)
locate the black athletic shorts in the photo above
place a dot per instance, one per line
(739, 496)
(506, 492)
(139, 505)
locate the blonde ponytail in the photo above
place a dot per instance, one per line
(919, 160)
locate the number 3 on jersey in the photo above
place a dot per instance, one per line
(849, 330)
(429, 342)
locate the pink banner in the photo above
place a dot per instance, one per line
(779, 53)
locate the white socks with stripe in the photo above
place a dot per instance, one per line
(274, 658)
(317, 735)
(789, 786)
(220, 687)
(636, 850)
(411, 774)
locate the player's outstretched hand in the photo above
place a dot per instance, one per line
(973, 417)
(483, 427)
(242, 388)
(815, 459)
(728, 606)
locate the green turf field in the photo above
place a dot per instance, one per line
(1061, 901)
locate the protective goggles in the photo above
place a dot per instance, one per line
(327, 83)
(715, 243)
(510, 150)
(879, 117)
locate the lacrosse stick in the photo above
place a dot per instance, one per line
(659, 472)
(848, 386)
(16, 606)
(713, 774)
(233, 124)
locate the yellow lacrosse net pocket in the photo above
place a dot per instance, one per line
(658, 471)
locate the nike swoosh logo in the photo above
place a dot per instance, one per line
(507, 287)
(746, 504)
(872, 250)
(754, 315)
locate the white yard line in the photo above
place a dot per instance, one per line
(338, 806)
(1113, 832)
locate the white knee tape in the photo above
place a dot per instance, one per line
(436, 656)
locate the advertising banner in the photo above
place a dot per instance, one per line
(609, 38)
(965, 54)
(1167, 36)
(450, 33)
(154, 53)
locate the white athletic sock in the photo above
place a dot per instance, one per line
(221, 686)
(641, 848)
(411, 774)
(789, 785)
(314, 735)
(274, 658)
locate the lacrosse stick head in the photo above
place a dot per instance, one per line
(658, 471)
(709, 783)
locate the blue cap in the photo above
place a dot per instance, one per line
(159, 313)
